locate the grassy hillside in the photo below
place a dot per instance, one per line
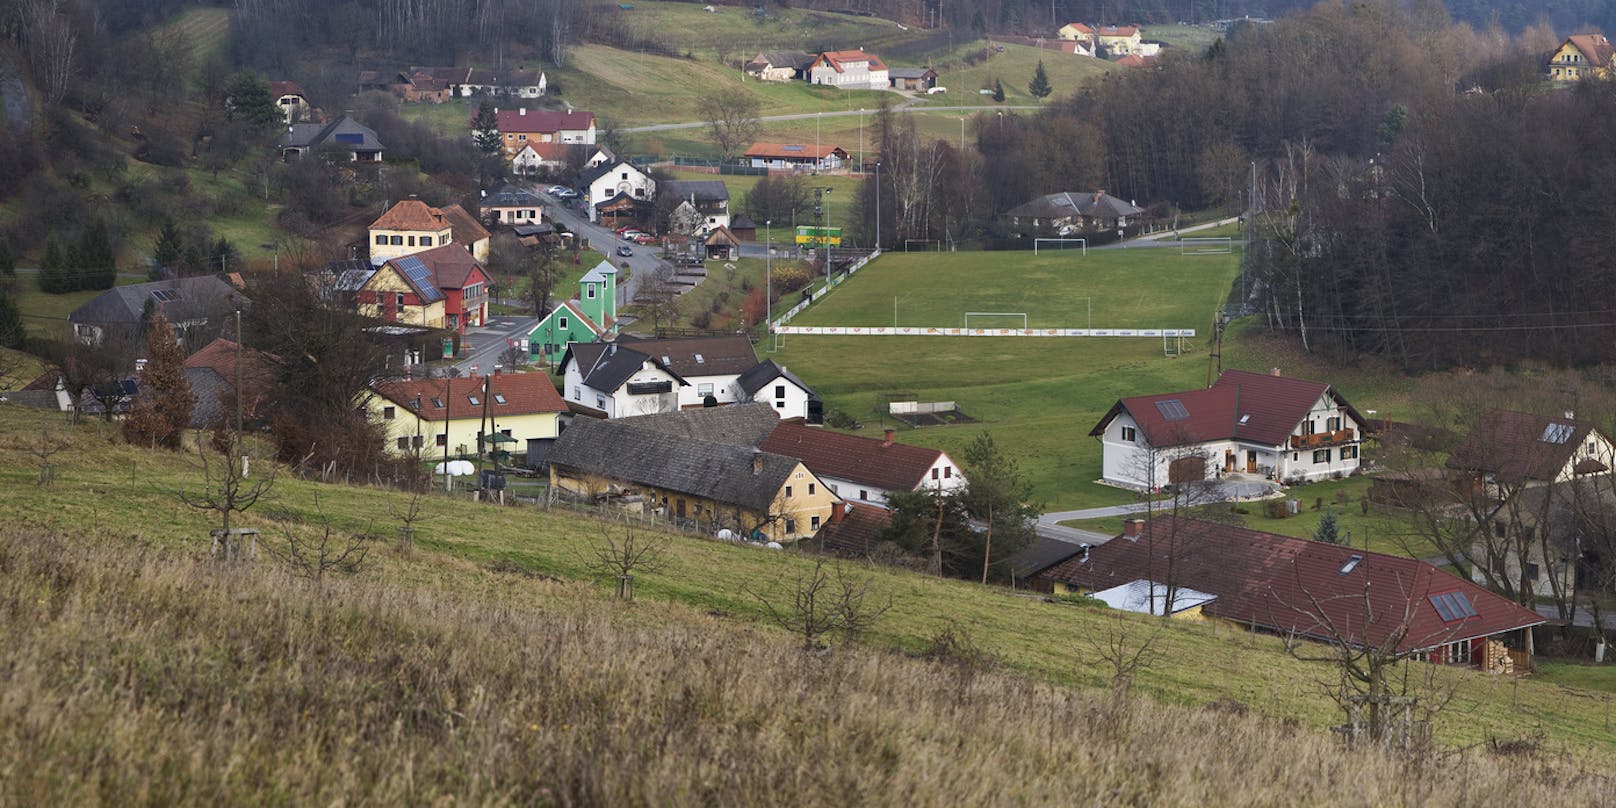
(439, 671)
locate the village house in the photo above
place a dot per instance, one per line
(643, 376)
(1119, 40)
(779, 65)
(196, 307)
(849, 70)
(409, 226)
(512, 205)
(415, 85)
(865, 470)
(589, 317)
(770, 383)
(401, 291)
(705, 485)
(520, 83)
(617, 191)
(708, 198)
(212, 374)
(1076, 32)
(535, 157)
(1582, 56)
(1298, 588)
(344, 139)
(914, 79)
(1071, 212)
(1507, 450)
(518, 127)
(796, 156)
(432, 417)
(1268, 425)
(291, 101)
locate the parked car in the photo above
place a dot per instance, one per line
(625, 251)
(629, 234)
(646, 238)
(566, 193)
(555, 190)
(937, 91)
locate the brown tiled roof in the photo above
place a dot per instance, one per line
(1135, 60)
(835, 59)
(1118, 30)
(867, 461)
(1275, 404)
(1595, 48)
(857, 533)
(542, 121)
(452, 266)
(1297, 586)
(1517, 446)
(463, 226)
(524, 394)
(220, 357)
(1081, 28)
(280, 88)
(410, 214)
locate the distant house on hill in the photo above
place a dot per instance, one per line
(796, 156)
(291, 101)
(779, 65)
(344, 138)
(1070, 212)
(1582, 56)
(518, 127)
(512, 205)
(1508, 449)
(865, 470)
(709, 198)
(917, 79)
(196, 308)
(617, 191)
(849, 70)
(211, 372)
(431, 416)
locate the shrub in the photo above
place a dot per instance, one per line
(702, 319)
(791, 278)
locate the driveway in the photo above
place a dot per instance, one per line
(1227, 490)
(482, 347)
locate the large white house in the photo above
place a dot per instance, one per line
(618, 178)
(646, 377)
(1246, 423)
(850, 70)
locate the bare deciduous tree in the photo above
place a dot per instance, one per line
(313, 557)
(824, 602)
(43, 450)
(226, 489)
(620, 558)
(732, 119)
(1127, 648)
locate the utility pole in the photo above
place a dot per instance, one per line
(878, 204)
(768, 280)
(237, 448)
(448, 404)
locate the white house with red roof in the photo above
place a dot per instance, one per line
(850, 70)
(1270, 425)
(865, 470)
(797, 156)
(291, 101)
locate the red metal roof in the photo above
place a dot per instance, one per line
(1297, 586)
(836, 58)
(1274, 404)
(524, 394)
(543, 120)
(868, 461)
(801, 151)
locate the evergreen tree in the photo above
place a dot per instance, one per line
(485, 128)
(12, 333)
(996, 496)
(1327, 531)
(54, 277)
(1039, 87)
(998, 90)
(94, 264)
(166, 254)
(223, 258)
(8, 264)
(247, 100)
(163, 409)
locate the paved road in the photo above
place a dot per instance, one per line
(483, 346)
(604, 241)
(907, 106)
(1049, 523)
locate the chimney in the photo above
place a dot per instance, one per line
(889, 435)
(838, 512)
(522, 111)
(757, 462)
(1083, 554)
(140, 365)
(1571, 415)
(1273, 371)
(1132, 527)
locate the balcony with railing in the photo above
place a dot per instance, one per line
(1319, 440)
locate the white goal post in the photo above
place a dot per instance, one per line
(1205, 246)
(1037, 243)
(1021, 314)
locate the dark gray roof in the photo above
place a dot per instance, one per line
(349, 274)
(736, 424)
(910, 72)
(715, 471)
(199, 298)
(606, 365)
(36, 399)
(785, 58)
(532, 229)
(345, 132)
(1041, 555)
(589, 175)
(699, 356)
(767, 371)
(207, 385)
(510, 196)
(1092, 204)
(741, 221)
(699, 190)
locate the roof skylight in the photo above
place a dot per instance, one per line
(1172, 409)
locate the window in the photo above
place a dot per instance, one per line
(791, 526)
(398, 241)
(399, 300)
(935, 474)
(704, 390)
(381, 240)
(589, 291)
(442, 439)
(864, 495)
(779, 405)
(788, 491)
(1307, 427)
(1458, 653)
(499, 398)
(1321, 455)
(1352, 564)
(561, 323)
(426, 241)
(1332, 424)
(522, 138)
(575, 394)
(813, 523)
(387, 413)
(403, 443)
(1453, 606)
(779, 391)
(600, 401)
(1590, 448)
(948, 471)
(624, 175)
(411, 240)
(1349, 452)
(1129, 434)
(1532, 571)
(475, 401)
(416, 441)
(810, 489)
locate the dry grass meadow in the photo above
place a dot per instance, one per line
(487, 666)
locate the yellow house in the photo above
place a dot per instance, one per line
(1119, 40)
(1582, 56)
(406, 228)
(438, 415)
(1076, 32)
(704, 485)
(406, 295)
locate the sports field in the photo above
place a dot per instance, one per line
(1038, 396)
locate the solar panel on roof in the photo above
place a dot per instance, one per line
(1172, 409)
(791, 148)
(354, 138)
(1453, 606)
(1557, 433)
(420, 276)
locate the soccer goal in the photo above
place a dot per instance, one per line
(1000, 314)
(909, 245)
(1060, 244)
(1205, 246)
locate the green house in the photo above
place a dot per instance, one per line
(589, 317)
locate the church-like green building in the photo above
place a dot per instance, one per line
(589, 317)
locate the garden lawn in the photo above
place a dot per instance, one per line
(1037, 396)
(844, 190)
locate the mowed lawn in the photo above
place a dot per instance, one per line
(1037, 396)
